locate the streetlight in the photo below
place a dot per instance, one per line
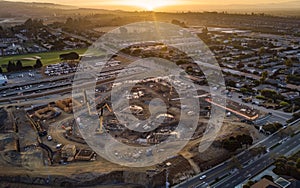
(167, 174)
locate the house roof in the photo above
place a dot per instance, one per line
(265, 86)
(265, 183)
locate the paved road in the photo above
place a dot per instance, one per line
(260, 164)
(250, 164)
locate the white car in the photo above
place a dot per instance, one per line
(49, 138)
(58, 146)
(202, 177)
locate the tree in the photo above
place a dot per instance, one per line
(269, 93)
(244, 90)
(298, 163)
(235, 163)
(69, 56)
(179, 23)
(272, 127)
(283, 103)
(69, 22)
(240, 65)
(11, 66)
(264, 76)
(261, 51)
(38, 64)
(285, 132)
(293, 79)
(268, 177)
(247, 140)
(250, 183)
(288, 63)
(230, 83)
(232, 144)
(1, 70)
(205, 30)
(19, 65)
(28, 23)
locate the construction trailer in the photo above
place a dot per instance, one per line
(68, 152)
(46, 113)
(84, 155)
(68, 104)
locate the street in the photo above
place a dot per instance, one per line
(252, 166)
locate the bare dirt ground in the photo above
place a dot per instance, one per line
(213, 155)
(19, 185)
(30, 163)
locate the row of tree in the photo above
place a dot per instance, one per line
(287, 166)
(18, 66)
(233, 143)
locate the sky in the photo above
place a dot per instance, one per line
(152, 4)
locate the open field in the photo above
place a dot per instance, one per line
(46, 57)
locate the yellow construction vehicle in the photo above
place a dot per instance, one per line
(99, 111)
(85, 99)
(100, 130)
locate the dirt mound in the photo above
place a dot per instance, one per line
(5, 122)
(7, 142)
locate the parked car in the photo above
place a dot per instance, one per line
(58, 146)
(49, 138)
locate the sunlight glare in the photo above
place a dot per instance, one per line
(151, 5)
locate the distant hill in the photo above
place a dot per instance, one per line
(22, 9)
(36, 4)
(9, 9)
(267, 6)
(287, 8)
(12, 9)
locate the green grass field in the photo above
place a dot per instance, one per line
(46, 57)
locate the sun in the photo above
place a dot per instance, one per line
(151, 5)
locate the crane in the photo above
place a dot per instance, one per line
(100, 130)
(89, 106)
(101, 109)
(85, 99)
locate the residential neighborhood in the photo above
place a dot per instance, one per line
(193, 96)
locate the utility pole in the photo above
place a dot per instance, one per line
(168, 164)
(167, 176)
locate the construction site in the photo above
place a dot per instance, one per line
(46, 138)
(44, 144)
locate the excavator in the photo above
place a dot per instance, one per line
(100, 129)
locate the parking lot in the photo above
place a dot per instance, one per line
(23, 76)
